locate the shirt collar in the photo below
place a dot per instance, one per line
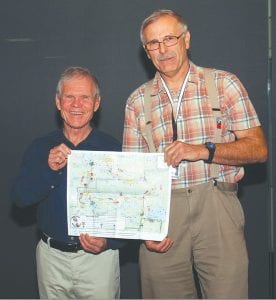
(196, 75)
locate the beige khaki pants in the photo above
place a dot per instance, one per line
(80, 275)
(206, 224)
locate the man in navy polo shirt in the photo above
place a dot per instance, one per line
(68, 266)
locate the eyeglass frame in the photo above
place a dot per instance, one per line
(164, 38)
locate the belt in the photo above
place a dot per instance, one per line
(60, 245)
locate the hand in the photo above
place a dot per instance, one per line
(177, 151)
(92, 244)
(160, 247)
(57, 158)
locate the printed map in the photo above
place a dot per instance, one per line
(118, 194)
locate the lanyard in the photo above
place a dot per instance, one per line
(178, 102)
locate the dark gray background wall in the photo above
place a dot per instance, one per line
(39, 39)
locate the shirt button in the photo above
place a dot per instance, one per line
(52, 186)
(72, 238)
(60, 172)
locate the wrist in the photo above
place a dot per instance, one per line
(211, 147)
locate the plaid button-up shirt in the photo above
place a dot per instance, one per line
(195, 121)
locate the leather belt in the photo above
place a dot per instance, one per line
(60, 245)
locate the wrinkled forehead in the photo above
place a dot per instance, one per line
(161, 19)
(78, 83)
(161, 26)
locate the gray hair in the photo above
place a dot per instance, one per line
(72, 72)
(158, 14)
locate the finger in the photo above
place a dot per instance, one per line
(92, 244)
(61, 151)
(167, 246)
(100, 243)
(64, 149)
(164, 245)
(171, 154)
(58, 158)
(173, 157)
(167, 157)
(88, 245)
(155, 246)
(169, 147)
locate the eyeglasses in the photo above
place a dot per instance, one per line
(168, 41)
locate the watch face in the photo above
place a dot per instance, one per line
(210, 145)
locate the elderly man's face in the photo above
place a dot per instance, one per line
(169, 61)
(78, 102)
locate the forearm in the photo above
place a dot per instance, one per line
(240, 152)
(237, 153)
(249, 147)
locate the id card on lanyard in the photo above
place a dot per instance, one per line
(175, 171)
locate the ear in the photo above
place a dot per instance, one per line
(58, 103)
(187, 38)
(97, 103)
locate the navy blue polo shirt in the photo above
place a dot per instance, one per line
(37, 184)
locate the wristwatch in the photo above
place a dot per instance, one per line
(211, 148)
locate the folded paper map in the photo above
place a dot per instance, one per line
(118, 194)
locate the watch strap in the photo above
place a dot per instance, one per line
(211, 147)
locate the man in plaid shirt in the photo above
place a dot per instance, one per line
(206, 219)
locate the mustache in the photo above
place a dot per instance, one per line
(165, 56)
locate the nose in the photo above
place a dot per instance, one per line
(76, 102)
(162, 47)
